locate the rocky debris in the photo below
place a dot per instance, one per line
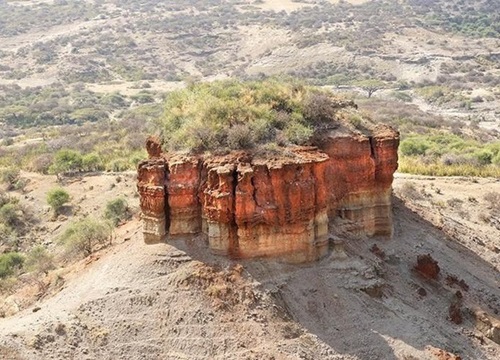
(488, 325)
(455, 309)
(427, 266)
(440, 354)
(338, 249)
(374, 291)
(453, 280)
(422, 292)
(250, 206)
(378, 252)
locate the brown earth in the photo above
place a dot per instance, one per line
(176, 301)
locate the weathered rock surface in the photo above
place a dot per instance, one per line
(272, 207)
(487, 324)
(427, 266)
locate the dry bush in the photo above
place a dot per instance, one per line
(493, 200)
(455, 203)
(409, 191)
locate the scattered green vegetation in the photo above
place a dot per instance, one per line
(10, 176)
(451, 149)
(56, 198)
(477, 19)
(116, 211)
(39, 260)
(445, 154)
(105, 145)
(82, 236)
(229, 115)
(417, 166)
(10, 263)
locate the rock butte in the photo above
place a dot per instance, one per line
(276, 206)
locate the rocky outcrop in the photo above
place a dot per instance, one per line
(487, 324)
(279, 206)
(427, 267)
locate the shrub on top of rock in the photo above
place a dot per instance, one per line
(231, 115)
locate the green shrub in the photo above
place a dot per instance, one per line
(39, 260)
(8, 141)
(13, 220)
(402, 96)
(9, 263)
(432, 93)
(496, 159)
(9, 176)
(298, 133)
(484, 157)
(413, 147)
(8, 235)
(92, 162)
(241, 115)
(56, 198)
(116, 211)
(66, 160)
(81, 236)
(9, 214)
(118, 165)
(240, 136)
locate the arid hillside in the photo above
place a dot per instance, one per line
(176, 301)
(427, 50)
(84, 83)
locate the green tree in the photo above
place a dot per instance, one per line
(66, 160)
(39, 260)
(370, 86)
(82, 235)
(56, 198)
(116, 211)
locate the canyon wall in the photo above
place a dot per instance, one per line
(278, 206)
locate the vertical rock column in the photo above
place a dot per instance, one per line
(281, 209)
(360, 170)
(152, 178)
(218, 198)
(385, 148)
(184, 180)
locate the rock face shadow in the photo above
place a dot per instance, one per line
(371, 307)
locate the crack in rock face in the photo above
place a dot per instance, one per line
(249, 206)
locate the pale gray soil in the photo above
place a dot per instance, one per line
(177, 301)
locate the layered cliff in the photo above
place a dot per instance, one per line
(281, 206)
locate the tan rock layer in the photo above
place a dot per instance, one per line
(275, 207)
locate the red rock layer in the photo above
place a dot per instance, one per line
(272, 207)
(151, 187)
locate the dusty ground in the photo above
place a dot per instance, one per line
(176, 301)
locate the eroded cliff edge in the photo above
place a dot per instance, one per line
(253, 206)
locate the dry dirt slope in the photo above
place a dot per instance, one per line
(178, 302)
